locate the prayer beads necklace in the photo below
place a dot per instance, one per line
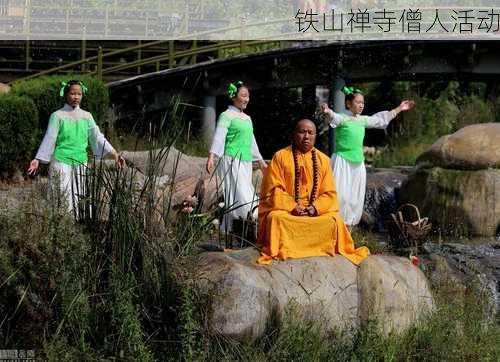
(312, 197)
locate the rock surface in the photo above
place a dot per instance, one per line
(185, 172)
(381, 199)
(473, 147)
(392, 291)
(331, 291)
(458, 202)
(469, 267)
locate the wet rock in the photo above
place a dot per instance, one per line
(468, 267)
(382, 186)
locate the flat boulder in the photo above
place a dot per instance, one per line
(473, 147)
(329, 290)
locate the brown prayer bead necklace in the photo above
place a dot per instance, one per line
(312, 197)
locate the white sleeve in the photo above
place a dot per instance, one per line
(219, 141)
(380, 119)
(46, 149)
(99, 144)
(335, 119)
(255, 150)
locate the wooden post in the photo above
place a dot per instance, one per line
(99, 63)
(171, 54)
(139, 57)
(83, 52)
(220, 51)
(194, 47)
(27, 53)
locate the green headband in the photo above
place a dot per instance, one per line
(65, 84)
(232, 89)
(350, 90)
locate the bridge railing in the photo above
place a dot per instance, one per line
(171, 58)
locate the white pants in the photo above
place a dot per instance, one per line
(235, 177)
(67, 183)
(350, 179)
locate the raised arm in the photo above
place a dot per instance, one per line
(382, 119)
(332, 119)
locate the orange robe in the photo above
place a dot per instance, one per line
(283, 235)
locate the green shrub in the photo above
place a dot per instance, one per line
(44, 91)
(19, 133)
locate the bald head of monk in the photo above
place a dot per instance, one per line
(304, 135)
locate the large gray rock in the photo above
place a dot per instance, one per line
(174, 170)
(458, 202)
(331, 291)
(473, 147)
(251, 295)
(392, 292)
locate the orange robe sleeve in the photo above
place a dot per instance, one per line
(274, 195)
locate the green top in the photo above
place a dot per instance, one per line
(72, 140)
(68, 135)
(349, 136)
(239, 137)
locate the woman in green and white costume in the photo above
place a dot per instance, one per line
(235, 145)
(348, 159)
(65, 143)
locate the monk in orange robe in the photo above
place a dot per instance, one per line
(298, 210)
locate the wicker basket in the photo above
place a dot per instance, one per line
(407, 228)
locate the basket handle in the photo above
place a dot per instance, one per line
(398, 223)
(411, 206)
